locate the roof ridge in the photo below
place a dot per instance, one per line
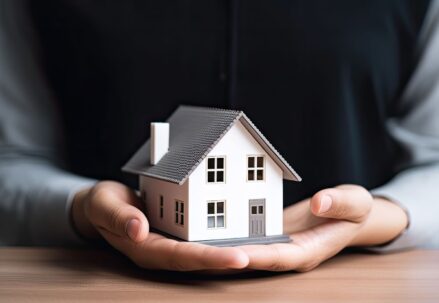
(205, 108)
(208, 125)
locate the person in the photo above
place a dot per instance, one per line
(348, 92)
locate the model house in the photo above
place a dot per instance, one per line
(210, 175)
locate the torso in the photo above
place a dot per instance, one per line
(319, 78)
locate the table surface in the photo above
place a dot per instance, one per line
(49, 274)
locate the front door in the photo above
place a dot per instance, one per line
(257, 217)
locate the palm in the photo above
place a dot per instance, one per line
(159, 252)
(111, 207)
(314, 240)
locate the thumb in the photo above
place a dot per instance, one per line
(345, 202)
(113, 210)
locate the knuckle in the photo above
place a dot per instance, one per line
(175, 262)
(349, 187)
(177, 265)
(307, 267)
(140, 262)
(92, 206)
(309, 264)
(99, 192)
(277, 263)
(368, 204)
(115, 218)
(278, 267)
(341, 211)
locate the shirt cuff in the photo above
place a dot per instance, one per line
(51, 223)
(415, 192)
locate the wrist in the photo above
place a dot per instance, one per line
(80, 222)
(385, 223)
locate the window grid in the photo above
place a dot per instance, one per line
(179, 212)
(161, 207)
(255, 168)
(216, 215)
(258, 210)
(216, 170)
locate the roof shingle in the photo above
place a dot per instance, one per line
(194, 131)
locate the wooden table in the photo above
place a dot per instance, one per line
(44, 275)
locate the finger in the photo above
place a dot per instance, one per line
(158, 252)
(297, 217)
(273, 257)
(111, 208)
(346, 202)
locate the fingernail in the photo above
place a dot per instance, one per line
(325, 204)
(132, 229)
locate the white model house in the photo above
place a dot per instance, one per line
(209, 175)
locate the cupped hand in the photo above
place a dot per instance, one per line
(323, 225)
(113, 211)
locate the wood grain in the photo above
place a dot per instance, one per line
(54, 275)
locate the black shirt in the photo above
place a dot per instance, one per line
(319, 78)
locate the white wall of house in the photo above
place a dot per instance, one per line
(171, 192)
(236, 145)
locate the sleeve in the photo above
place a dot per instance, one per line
(416, 187)
(35, 193)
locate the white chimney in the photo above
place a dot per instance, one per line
(159, 141)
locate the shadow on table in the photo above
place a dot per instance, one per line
(107, 263)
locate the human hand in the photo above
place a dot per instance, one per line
(323, 225)
(113, 211)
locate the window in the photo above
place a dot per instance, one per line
(216, 217)
(179, 212)
(258, 210)
(216, 167)
(161, 207)
(255, 168)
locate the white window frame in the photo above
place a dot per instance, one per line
(179, 209)
(256, 168)
(216, 214)
(215, 170)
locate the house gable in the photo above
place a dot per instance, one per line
(194, 133)
(236, 190)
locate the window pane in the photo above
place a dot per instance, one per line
(251, 175)
(161, 212)
(220, 207)
(220, 221)
(210, 176)
(176, 217)
(219, 162)
(219, 176)
(181, 207)
(182, 219)
(210, 222)
(260, 174)
(260, 162)
(210, 208)
(251, 162)
(176, 206)
(254, 210)
(211, 163)
(261, 209)
(161, 200)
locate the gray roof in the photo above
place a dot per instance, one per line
(194, 131)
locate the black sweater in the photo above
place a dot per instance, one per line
(319, 78)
